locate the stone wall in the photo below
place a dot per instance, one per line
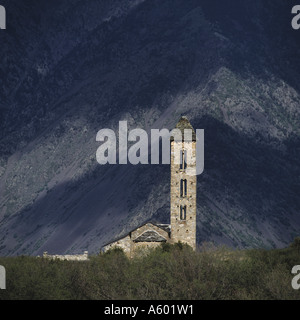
(141, 248)
(124, 243)
(75, 257)
(183, 230)
(131, 247)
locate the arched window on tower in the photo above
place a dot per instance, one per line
(183, 159)
(183, 188)
(183, 212)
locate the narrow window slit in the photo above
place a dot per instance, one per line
(183, 212)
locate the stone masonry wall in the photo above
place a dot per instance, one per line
(140, 248)
(132, 248)
(183, 230)
(124, 243)
(75, 257)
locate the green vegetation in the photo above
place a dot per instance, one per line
(167, 272)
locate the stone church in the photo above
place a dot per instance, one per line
(183, 189)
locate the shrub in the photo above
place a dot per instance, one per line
(167, 272)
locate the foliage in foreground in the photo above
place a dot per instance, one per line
(168, 272)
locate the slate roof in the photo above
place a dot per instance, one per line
(150, 236)
(165, 227)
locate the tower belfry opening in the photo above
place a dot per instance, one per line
(183, 158)
(183, 188)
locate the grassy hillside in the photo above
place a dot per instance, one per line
(168, 272)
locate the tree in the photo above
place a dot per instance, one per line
(296, 244)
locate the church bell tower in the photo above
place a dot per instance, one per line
(183, 185)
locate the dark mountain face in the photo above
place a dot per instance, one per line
(69, 69)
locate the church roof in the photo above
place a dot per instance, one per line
(150, 236)
(183, 124)
(165, 227)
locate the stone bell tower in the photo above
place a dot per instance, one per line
(183, 185)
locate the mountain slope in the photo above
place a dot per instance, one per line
(69, 70)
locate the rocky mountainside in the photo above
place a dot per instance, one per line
(71, 68)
